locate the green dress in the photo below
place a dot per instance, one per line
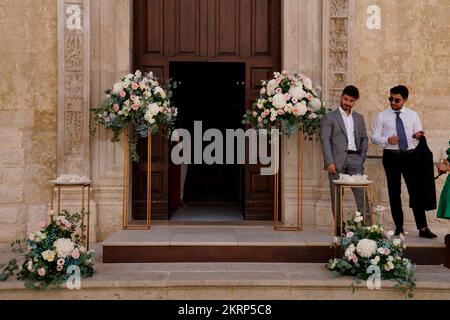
(444, 201)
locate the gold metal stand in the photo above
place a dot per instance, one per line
(84, 214)
(299, 226)
(126, 219)
(339, 187)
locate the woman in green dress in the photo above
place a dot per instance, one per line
(444, 201)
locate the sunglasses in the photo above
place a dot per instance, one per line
(396, 100)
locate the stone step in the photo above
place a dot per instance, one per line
(244, 244)
(236, 281)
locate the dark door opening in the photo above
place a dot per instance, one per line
(213, 93)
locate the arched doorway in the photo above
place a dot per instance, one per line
(172, 33)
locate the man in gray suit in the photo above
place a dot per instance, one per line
(344, 145)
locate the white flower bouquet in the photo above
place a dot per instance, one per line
(287, 102)
(369, 251)
(50, 254)
(140, 101)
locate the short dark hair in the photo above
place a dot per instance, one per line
(402, 90)
(351, 91)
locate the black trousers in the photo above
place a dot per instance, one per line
(396, 165)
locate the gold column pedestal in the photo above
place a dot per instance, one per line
(127, 222)
(339, 187)
(58, 186)
(299, 226)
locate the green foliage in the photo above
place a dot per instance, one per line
(369, 251)
(140, 103)
(300, 109)
(47, 254)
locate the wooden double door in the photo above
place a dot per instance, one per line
(167, 32)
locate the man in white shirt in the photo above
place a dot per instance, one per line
(396, 130)
(344, 146)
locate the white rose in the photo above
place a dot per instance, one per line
(30, 265)
(118, 87)
(153, 109)
(64, 247)
(302, 108)
(315, 104)
(297, 93)
(366, 248)
(279, 101)
(397, 242)
(160, 91)
(308, 83)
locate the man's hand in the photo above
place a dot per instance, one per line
(332, 169)
(418, 134)
(393, 140)
(442, 167)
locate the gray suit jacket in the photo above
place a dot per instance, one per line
(334, 137)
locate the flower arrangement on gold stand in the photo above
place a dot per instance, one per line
(287, 102)
(140, 102)
(52, 254)
(369, 253)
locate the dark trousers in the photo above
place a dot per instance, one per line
(396, 165)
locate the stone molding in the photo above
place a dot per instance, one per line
(337, 57)
(73, 87)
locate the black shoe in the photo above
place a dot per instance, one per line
(427, 234)
(398, 231)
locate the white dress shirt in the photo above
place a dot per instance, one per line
(350, 128)
(385, 127)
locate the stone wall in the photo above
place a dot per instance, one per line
(28, 112)
(411, 48)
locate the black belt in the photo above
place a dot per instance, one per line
(352, 152)
(399, 151)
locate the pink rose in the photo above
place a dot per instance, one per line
(309, 96)
(122, 94)
(133, 97)
(262, 91)
(280, 112)
(60, 262)
(278, 90)
(59, 268)
(387, 251)
(349, 234)
(287, 96)
(255, 114)
(41, 272)
(294, 100)
(68, 224)
(42, 225)
(134, 86)
(135, 106)
(295, 111)
(75, 254)
(116, 107)
(260, 120)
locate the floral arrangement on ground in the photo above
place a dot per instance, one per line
(371, 254)
(289, 103)
(140, 102)
(51, 255)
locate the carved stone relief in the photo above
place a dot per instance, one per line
(337, 71)
(74, 76)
